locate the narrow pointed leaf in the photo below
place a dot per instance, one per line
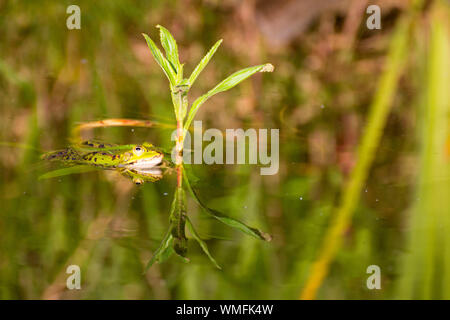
(225, 85)
(239, 76)
(227, 220)
(161, 60)
(170, 46)
(201, 243)
(163, 252)
(202, 64)
(166, 252)
(178, 221)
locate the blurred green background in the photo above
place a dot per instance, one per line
(328, 67)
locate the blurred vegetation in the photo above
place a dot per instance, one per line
(322, 96)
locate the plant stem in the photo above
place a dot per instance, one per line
(179, 151)
(179, 175)
(179, 142)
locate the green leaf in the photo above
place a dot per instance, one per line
(227, 220)
(225, 85)
(67, 171)
(164, 251)
(202, 64)
(201, 243)
(239, 76)
(167, 251)
(178, 221)
(161, 60)
(170, 46)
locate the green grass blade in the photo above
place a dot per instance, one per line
(161, 60)
(202, 64)
(67, 171)
(225, 85)
(425, 266)
(376, 121)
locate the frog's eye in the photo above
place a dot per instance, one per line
(138, 181)
(138, 150)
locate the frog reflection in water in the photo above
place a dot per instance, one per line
(141, 162)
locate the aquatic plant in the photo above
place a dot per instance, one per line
(175, 240)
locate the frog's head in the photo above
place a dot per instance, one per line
(141, 157)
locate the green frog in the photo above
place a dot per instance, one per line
(140, 162)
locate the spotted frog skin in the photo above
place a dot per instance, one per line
(140, 162)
